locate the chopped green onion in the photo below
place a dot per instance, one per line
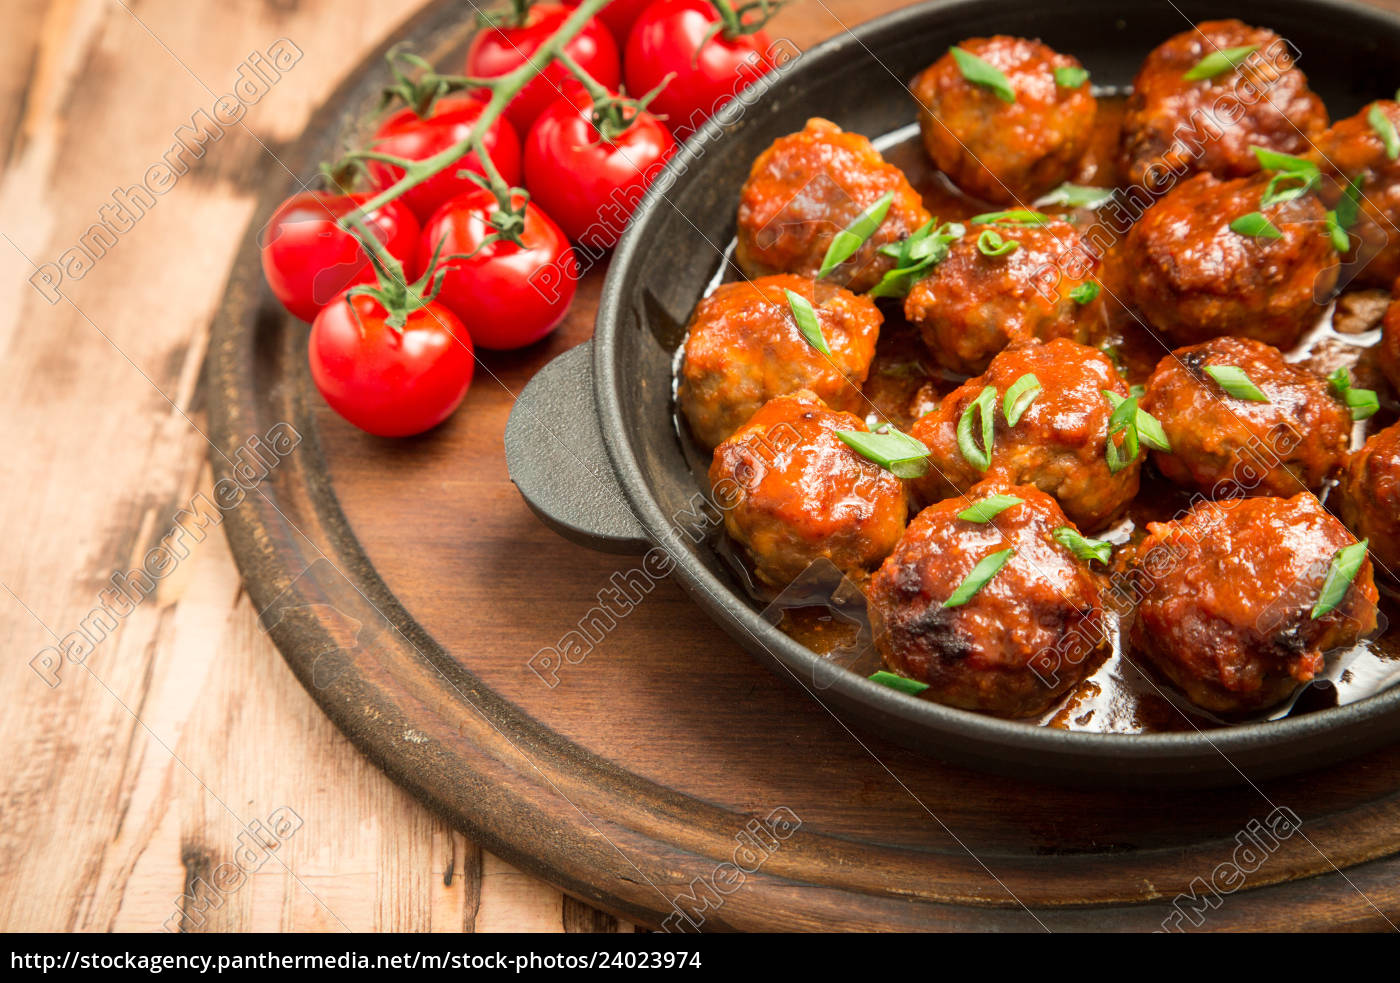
(1362, 403)
(845, 243)
(1143, 422)
(1069, 77)
(985, 570)
(1272, 160)
(1287, 185)
(911, 686)
(1077, 196)
(1346, 562)
(1256, 225)
(889, 447)
(1019, 397)
(979, 457)
(915, 256)
(1235, 381)
(989, 243)
(1344, 216)
(1385, 129)
(989, 508)
(1123, 420)
(806, 319)
(1081, 546)
(1219, 62)
(1012, 216)
(1085, 292)
(981, 72)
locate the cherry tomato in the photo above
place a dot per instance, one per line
(588, 184)
(497, 50)
(405, 134)
(508, 295)
(669, 36)
(390, 382)
(618, 16)
(308, 259)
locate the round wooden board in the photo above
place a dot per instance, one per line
(408, 586)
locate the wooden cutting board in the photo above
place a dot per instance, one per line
(664, 775)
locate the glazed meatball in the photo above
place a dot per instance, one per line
(806, 188)
(1354, 148)
(1368, 497)
(1230, 446)
(1023, 640)
(1058, 444)
(793, 492)
(744, 347)
(999, 150)
(1175, 126)
(1226, 599)
(1388, 351)
(973, 305)
(1193, 277)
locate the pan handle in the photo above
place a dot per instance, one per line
(557, 459)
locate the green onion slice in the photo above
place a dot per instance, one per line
(1346, 562)
(1076, 196)
(1344, 216)
(915, 256)
(984, 405)
(1219, 62)
(1124, 421)
(1272, 160)
(1256, 225)
(1385, 129)
(845, 243)
(985, 570)
(989, 243)
(989, 508)
(806, 319)
(1144, 422)
(911, 686)
(978, 71)
(1081, 546)
(1012, 216)
(1085, 292)
(889, 447)
(1287, 185)
(1235, 381)
(1362, 403)
(1019, 397)
(1069, 77)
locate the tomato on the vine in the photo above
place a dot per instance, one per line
(308, 258)
(405, 134)
(713, 56)
(509, 294)
(391, 381)
(587, 180)
(509, 44)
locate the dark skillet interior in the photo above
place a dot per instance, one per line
(673, 249)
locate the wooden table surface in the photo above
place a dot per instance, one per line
(129, 777)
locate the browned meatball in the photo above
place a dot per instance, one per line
(1227, 594)
(806, 188)
(1026, 637)
(1058, 444)
(1175, 126)
(1388, 351)
(744, 348)
(1193, 277)
(973, 305)
(1368, 497)
(793, 492)
(1005, 151)
(1354, 148)
(1230, 446)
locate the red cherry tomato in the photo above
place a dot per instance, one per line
(308, 259)
(390, 382)
(497, 50)
(669, 36)
(587, 184)
(619, 16)
(507, 294)
(405, 134)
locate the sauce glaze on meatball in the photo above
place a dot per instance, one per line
(1016, 646)
(972, 305)
(1193, 277)
(1353, 148)
(1368, 497)
(1228, 446)
(744, 347)
(1175, 126)
(1058, 444)
(793, 492)
(1001, 151)
(808, 186)
(1387, 353)
(1227, 593)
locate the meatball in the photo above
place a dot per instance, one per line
(1368, 497)
(999, 150)
(1229, 446)
(807, 187)
(1193, 277)
(793, 492)
(744, 347)
(1058, 444)
(1176, 126)
(973, 305)
(1023, 640)
(1226, 599)
(1387, 353)
(1353, 148)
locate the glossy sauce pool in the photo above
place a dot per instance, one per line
(826, 612)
